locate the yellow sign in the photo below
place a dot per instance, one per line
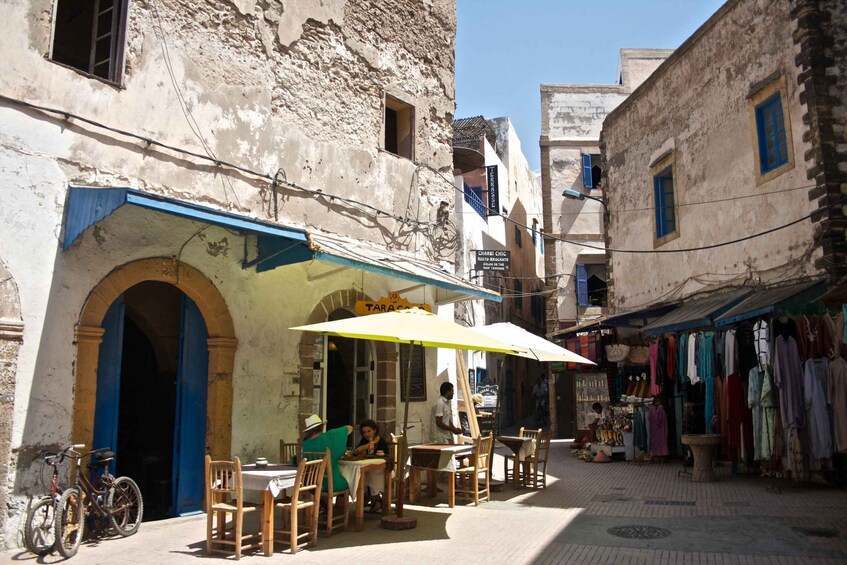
(390, 303)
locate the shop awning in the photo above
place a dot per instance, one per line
(638, 318)
(371, 258)
(792, 298)
(87, 206)
(695, 314)
(586, 326)
(278, 245)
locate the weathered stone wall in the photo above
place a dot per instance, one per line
(696, 106)
(821, 35)
(11, 335)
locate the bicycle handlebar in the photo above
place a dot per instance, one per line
(54, 458)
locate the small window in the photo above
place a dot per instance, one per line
(518, 295)
(518, 241)
(663, 195)
(770, 125)
(90, 35)
(591, 172)
(591, 285)
(399, 127)
(773, 149)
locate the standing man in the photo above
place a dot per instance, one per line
(443, 425)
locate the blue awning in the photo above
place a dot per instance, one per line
(278, 245)
(772, 300)
(87, 206)
(696, 314)
(637, 318)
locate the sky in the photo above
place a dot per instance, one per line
(506, 49)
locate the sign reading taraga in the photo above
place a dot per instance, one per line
(388, 303)
(491, 260)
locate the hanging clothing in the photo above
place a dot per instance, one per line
(658, 431)
(682, 358)
(837, 398)
(814, 387)
(794, 451)
(693, 376)
(769, 415)
(788, 376)
(639, 430)
(729, 352)
(670, 359)
(754, 402)
(762, 341)
(706, 369)
(654, 359)
(736, 413)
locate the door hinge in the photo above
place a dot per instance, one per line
(372, 365)
(372, 399)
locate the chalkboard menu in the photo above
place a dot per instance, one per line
(417, 382)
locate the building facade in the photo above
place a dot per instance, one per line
(179, 193)
(726, 140)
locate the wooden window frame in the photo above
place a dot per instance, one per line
(405, 114)
(756, 101)
(659, 170)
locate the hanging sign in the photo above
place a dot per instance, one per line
(492, 260)
(390, 303)
(493, 190)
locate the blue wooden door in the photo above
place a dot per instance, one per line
(109, 380)
(190, 418)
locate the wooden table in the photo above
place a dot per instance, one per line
(356, 472)
(523, 448)
(271, 480)
(435, 458)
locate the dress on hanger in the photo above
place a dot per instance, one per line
(816, 374)
(754, 402)
(658, 431)
(837, 397)
(788, 377)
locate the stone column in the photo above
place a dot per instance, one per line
(219, 402)
(11, 337)
(88, 340)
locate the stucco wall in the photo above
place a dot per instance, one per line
(296, 85)
(697, 104)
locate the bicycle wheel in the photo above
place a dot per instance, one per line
(40, 530)
(125, 506)
(70, 522)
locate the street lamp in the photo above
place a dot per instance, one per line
(577, 195)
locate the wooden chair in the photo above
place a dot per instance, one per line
(332, 520)
(224, 495)
(537, 467)
(306, 496)
(507, 473)
(394, 482)
(468, 481)
(289, 453)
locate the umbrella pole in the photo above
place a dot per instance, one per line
(398, 522)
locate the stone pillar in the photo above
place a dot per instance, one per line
(88, 339)
(386, 387)
(219, 402)
(11, 337)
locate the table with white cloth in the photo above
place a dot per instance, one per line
(272, 480)
(435, 458)
(523, 448)
(361, 473)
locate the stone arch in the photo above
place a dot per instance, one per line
(222, 344)
(386, 363)
(11, 338)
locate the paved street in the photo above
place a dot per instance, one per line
(735, 520)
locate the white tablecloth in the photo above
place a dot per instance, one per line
(438, 457)
(527, 450)
(352, 471)
(275, 478)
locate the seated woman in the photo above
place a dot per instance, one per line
(371, 445)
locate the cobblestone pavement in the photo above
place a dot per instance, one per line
(663, 517)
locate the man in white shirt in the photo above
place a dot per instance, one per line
(443, 425)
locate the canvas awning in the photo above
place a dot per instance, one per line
(278, 244)
(637, 318)
(695, 314)
(788, 298)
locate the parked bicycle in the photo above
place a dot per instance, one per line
(117, 500)
(39, 529)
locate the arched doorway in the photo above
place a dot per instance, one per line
(154, 378)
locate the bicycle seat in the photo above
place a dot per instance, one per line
(103, 455)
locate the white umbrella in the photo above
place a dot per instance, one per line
(530, 345)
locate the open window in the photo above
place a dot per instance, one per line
(399, 127)
(90, 35)
(591, 285)
(518, 236)
(592, 175)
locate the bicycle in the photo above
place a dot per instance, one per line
(116, 499)
(39, 528)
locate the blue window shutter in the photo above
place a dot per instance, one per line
(658, 205)
(581, 285)
(587, 181)
(770, 129)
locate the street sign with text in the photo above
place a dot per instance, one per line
(492, 260)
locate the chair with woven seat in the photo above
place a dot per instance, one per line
(289, 453)
(305, 497)
(332, 519)
(468, 481)
(224, 495)
(394, 462)
(537, 464)
(511, 457)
